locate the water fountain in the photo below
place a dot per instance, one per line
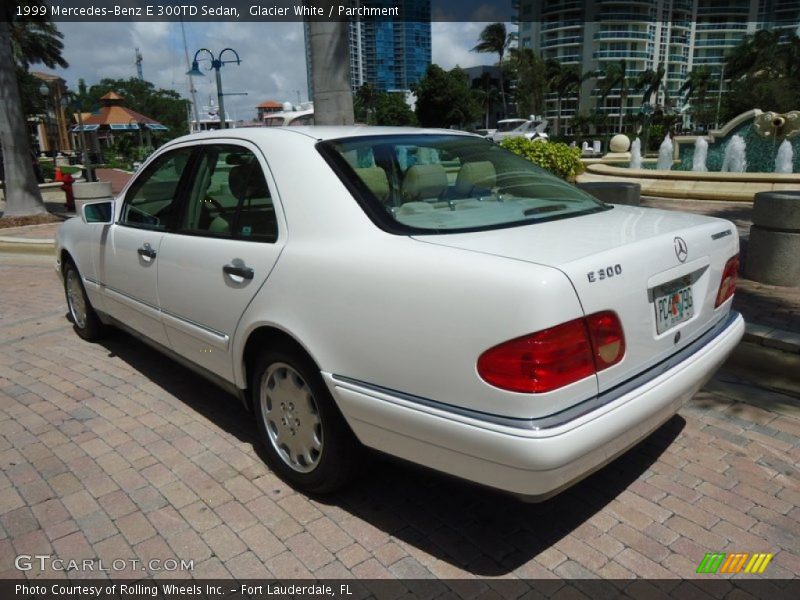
(735, 161)
(700, 154)
(636, 154)
(784, 158)
(665, 154)
(761, 152)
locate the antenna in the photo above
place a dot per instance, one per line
(139, 65)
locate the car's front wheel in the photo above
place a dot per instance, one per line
(307, 441)
(84, 319)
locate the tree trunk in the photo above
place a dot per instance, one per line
(622, 101)
(330, 70)
(21, 191)
(558, 115)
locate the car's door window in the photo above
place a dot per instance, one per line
(152, 199)
(230, 197)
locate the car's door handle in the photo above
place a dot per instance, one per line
(243, 272)
(147, 250)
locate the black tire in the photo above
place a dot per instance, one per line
(84, 318)
(307, 441)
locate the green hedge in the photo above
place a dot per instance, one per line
(558, 158)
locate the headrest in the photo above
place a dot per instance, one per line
(424, 181)
(247, 181)
(377, 182)
(478, 174)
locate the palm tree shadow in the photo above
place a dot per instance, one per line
(475, 529)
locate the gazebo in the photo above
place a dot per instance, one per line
(113, 118)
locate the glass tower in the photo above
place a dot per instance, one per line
(390, 54)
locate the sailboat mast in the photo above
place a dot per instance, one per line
(192, 91)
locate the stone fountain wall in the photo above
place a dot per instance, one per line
(760, 152)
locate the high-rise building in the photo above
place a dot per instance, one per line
(679, 35)
(390, 54)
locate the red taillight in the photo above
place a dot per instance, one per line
(555, 357)
(728, 284)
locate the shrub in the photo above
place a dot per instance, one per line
(557, 158)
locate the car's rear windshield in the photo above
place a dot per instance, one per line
(450, 183)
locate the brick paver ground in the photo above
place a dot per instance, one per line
(110, 451)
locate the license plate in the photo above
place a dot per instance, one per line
(673, 307)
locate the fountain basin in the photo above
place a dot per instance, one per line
(689, 184)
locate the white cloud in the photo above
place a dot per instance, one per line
(451, 44)
(272, 54)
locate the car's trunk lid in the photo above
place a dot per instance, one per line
(631, 261)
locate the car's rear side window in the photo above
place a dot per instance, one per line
(450, 183)
(229, 196)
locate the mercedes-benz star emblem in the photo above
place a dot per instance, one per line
(681, 250)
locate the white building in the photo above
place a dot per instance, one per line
(678, 34)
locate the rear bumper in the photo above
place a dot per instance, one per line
(534, 463)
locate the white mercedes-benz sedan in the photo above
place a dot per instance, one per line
(426, 294)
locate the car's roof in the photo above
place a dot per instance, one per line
(317, 132)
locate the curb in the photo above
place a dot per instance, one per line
(27, 245)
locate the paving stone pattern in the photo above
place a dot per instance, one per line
(110, 451)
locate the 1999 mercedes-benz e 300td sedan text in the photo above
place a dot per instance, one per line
(424, 293)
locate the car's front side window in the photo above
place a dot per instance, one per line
(152, 199)
(417, 183)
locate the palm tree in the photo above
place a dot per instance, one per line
(697, 85)
(561, 80)
(22, 43)
(771, 53)
(494, 40)
(649, 82)
(486, 93)
(615, 77)
(37, 42)
(530, 73)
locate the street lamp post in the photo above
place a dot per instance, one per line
(216, 64)
(44, 90)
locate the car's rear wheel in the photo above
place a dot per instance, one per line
(84, 319)
(307, 441)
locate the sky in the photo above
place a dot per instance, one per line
(273, 56)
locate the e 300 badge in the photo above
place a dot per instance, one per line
(606, 273)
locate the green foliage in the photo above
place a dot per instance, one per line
(764, 72)
(655, 136)
(444, 99)
(33, 40)
(559, 159)
(48, 169)
(374, 107)
(392, 109)
(764, 92)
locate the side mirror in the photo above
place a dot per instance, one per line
(98, 212)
